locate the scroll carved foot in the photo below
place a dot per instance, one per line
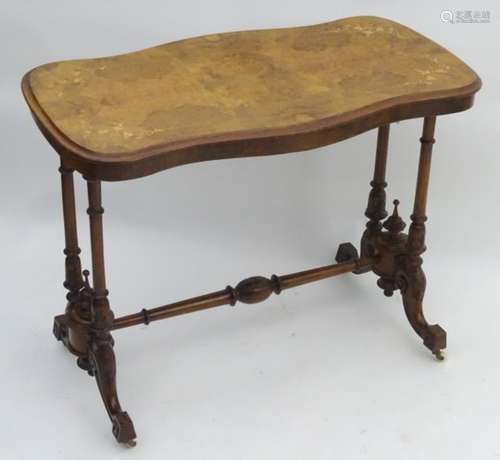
(103, 366)
(412, 285)
(400, 267)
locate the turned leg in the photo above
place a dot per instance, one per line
(70, 327)
(411, 278)
(375, 210)
(100, 354)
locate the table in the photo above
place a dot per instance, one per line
(242, 94)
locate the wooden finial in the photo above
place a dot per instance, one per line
(394, 224)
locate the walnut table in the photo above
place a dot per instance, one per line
(233, 95)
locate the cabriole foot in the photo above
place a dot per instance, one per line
(103, 361)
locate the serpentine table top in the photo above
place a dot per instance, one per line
(242, 94)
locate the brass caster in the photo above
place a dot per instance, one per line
(131, 443)
(440, 356)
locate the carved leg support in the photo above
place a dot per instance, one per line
(399, 263)
(397, 255)
(410, 277)
(101, 355)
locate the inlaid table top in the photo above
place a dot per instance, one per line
(242, 94)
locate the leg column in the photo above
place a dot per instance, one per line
(101, 354)
(411, 279)
(70, 328)
(74, 280)
(375, 210)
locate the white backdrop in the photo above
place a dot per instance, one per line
(331, 370)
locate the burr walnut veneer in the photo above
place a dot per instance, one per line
(242, 94)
